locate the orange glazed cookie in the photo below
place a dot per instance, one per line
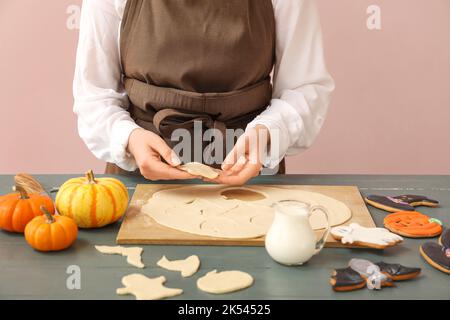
(412, 224)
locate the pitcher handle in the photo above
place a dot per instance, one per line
(321, 242)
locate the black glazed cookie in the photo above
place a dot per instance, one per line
(406, 202)
(444, 240)
(375, 279)
(397, 272)
(436, 255)
(347, 279)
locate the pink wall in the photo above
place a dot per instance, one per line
(390, 112)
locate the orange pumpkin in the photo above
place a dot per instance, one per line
(51, 232)
(92, 202)
(17, 209)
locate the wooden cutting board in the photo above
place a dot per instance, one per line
(138, 228)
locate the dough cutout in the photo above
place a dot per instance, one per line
(144, 288)
(199, 169)
(224, 282)
(133, 254)
(204, 210)
(187, 267)
(370, 237)
(242, 194)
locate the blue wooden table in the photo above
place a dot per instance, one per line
(28, 274)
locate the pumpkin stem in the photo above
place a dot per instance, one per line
(90, 177)
(22, 191)
(48, 215)
(29, 183)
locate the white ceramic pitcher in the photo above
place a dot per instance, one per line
(291, 239)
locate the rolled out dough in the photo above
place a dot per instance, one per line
(187, 267)
(144, 288)
(224, 282)
(203, 210)
(199, 169)
(133, 254)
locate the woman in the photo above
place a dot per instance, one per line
(146, 68)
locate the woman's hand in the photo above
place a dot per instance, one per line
(148, 149)
(245, 160)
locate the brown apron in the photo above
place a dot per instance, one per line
(196, 60)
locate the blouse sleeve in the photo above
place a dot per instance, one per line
(302, 84)
(100, 101)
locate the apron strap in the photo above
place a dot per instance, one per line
(185, 120)
(224, 106)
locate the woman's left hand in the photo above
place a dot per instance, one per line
(245, 160)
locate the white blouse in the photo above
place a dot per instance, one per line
(301, 95)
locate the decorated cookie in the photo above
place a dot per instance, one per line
(444, 239)
(363, 273)
(354, 234)
(375, 279)
(413, 224)
(406, 202)
(397, 272)
(438, 255)
(346, 279)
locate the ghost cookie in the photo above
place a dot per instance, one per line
(354, 234)
(199, 169)
(406, 202)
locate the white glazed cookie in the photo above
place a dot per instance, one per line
(354, 234)
(144, 288)
(187, 267)
(133, 254)
(224, 282)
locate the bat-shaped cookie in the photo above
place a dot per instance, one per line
(406, 202)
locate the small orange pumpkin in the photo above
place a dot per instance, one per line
(17, 209)
(51, 232)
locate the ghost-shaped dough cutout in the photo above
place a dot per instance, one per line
(144, 288)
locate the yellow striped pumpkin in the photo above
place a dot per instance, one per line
(92, 202)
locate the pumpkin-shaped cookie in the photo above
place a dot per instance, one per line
(92, 202)
(17, 209)
(51, 232)
(412, 224)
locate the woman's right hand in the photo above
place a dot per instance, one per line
(148, 150)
